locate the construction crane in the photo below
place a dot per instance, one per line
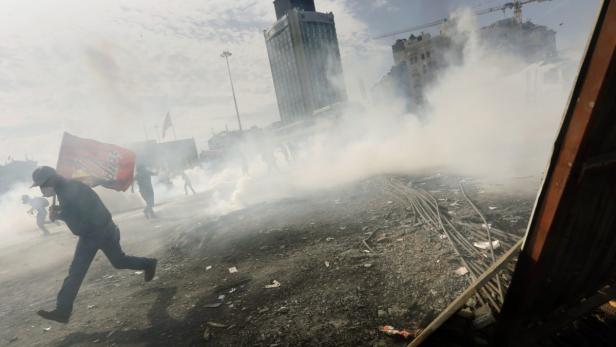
(516, 6)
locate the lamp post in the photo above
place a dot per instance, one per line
(226, 55)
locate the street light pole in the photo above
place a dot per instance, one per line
(226, 55)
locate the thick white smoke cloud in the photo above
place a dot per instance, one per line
(485, 120)
(15, 224)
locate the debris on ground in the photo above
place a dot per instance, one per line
(275, 284)
(207, 334)
(329, 297)
(483, 317)
(391, 331)
(216, 324)
(232, 270)
(486, 244)
(461, 271)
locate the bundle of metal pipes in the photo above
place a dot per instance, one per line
(462, 236)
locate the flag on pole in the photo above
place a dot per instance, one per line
(166, 124)
(96, 163)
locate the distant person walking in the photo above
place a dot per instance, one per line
(143, 176)
(87, 217)
(187, 184)
(39, 205)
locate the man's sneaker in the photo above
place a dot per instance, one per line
(150, 270)
(55, 315)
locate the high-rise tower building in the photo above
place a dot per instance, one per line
(283, 6)
(305, 59)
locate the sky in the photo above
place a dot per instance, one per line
(111, 70)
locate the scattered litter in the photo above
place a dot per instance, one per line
(232, 290)
(461, 271)
(343, 228)
(466, 313)
(455, 203)
(213, 305)
(483, 225)
(138, 272)
(275, 284)
(208, 267)
(492, 207)
(216, 325)
(486, 244)
(326, 264)
(47, 329)
(366, 251)
(438, 261)
(400, 239)
(329, 239)
(91, 307)
(483, 317)
(367, 265)
(221, 297)
(110, 333)
(232, 270)
(108, 277)
(391, 331)
(207, 334)
(442, 236)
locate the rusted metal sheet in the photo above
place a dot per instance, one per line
(571, 241)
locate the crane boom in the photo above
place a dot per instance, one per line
(417, 27)
(516, 6)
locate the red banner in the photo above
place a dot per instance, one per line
(96, 163)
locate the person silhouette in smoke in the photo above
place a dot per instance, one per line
(39, 205)
(87, 217)
(187, 184)
(143, 176)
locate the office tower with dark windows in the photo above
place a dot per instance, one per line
(305, 60)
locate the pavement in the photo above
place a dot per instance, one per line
(282, 273)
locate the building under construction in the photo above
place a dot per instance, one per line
(419, 58)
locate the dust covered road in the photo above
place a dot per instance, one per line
(327, 287)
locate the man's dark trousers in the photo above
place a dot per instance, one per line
(108, 241)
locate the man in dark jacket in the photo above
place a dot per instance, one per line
(143, 176)
(87, 217)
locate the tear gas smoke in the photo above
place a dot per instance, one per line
(484, 120)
